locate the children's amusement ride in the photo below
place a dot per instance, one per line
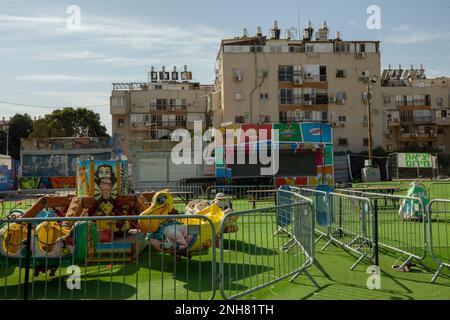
(102, 192)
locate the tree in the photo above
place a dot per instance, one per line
(2, 141)
(20, 126)
(69, 122)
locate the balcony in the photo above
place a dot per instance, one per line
(305, 100)
(139, 109)
(440, 121)
(417, 137)
(139, 126)
(168, 108)
(118, 110)
(394, 122)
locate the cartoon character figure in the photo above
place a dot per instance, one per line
(223, 202)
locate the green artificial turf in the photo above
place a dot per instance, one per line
(253, 258)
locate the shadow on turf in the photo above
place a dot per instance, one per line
(240, 246)
(55, 289)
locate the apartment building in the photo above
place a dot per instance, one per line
(152, 110)
(416, 109)
(274, 78)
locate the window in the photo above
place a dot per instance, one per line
(158, 87)
(264, 96)
(342, 118)
(117, 101)
(264, 119)
(237, 74)
(283, 116)
(180, 120)
(341, 73)
(342, 141)
(366, 142)
(309, 48)
(386, 99)
(324, 115)
(341, 96)
(285, 73)
(362, 47)
(239, 119)
(323, 73)
(161, 104)
(439, 101)
(342, 47)
(239, 96)
(256, 49)
(120, 122)
(286, 96)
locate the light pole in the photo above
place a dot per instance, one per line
(7, 139)
(372, 80)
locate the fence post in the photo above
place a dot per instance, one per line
(375, 236)
(341, 234)
(27, 262)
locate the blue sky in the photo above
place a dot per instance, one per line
(43, 63)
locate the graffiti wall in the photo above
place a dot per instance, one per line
(83, 143)
(52, 162)
(305, 153)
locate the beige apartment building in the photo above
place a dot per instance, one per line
(270, 79)
(152, 110)
(416, 110)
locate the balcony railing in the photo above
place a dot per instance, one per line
(412, 103)
(158, 124)
(157, 107)
(305, 101)
(287, 120)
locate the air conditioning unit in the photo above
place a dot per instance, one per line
(309, 75)
(361, 55)
(171, 108)
(433, 134)
(366, 123)
(415, 135)
(134, 124)
(308, 103)
(342, 124)
(340, 101)
(298, 81)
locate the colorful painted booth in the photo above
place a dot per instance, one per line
(305, 152)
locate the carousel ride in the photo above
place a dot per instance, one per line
(102, 192)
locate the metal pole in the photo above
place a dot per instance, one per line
(7, 140)
(27, 262)
(375, 236)
(369, 119)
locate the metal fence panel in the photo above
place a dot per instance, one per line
(439, 190)
(439, 231)
(246, 197)
(124, 267)
(351, 224)
(257, 255)
(405, 235)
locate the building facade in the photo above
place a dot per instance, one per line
(416, 110)
(152, 110)
(270, 79)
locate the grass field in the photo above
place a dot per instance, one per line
(252, 257)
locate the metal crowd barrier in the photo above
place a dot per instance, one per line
(352, 225)
(320, 205)
(246, 197)
(127, 268)
(439, 190)
(256, 256)
(396, 231)
(439, 231)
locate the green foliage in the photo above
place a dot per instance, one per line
(69, 122)
(20, 126)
